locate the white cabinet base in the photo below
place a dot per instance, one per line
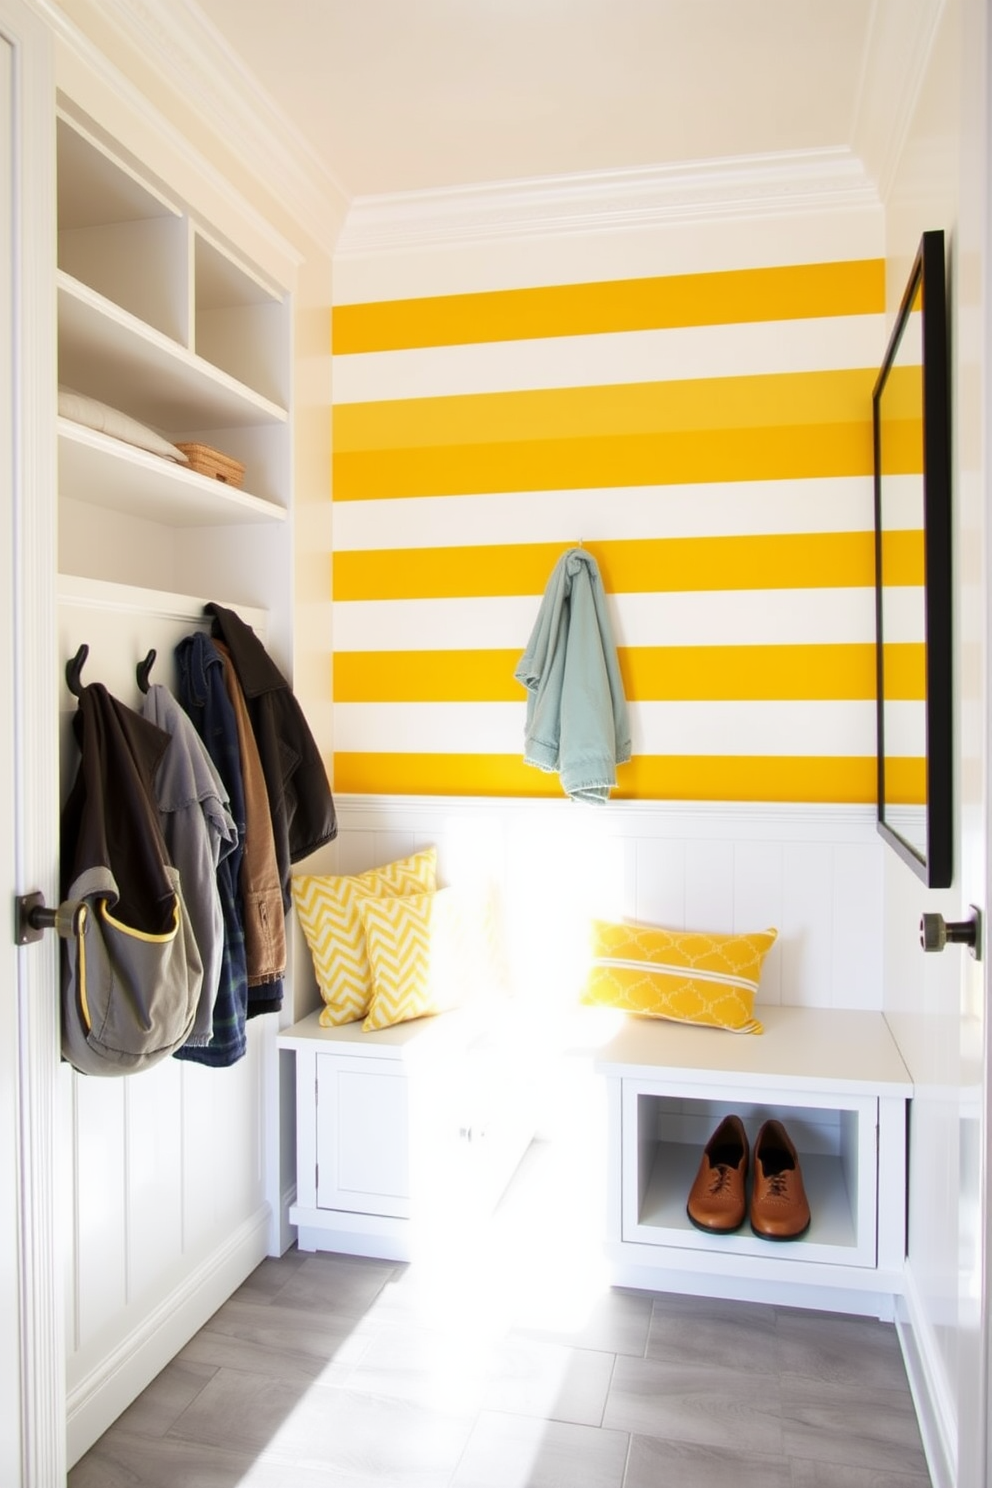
(821, 1292)
(408, 1135)
(380, 1235)
(836, 1081)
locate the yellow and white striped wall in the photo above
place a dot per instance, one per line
(704, 429)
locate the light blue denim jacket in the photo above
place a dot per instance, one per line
(577, 719)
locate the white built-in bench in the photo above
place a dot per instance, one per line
(836, 1080)
(406, 1129)
(422, 1125)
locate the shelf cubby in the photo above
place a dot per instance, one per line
(835, 1079)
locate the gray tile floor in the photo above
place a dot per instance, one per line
(504, 1361)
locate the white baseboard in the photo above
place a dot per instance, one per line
(858, 1301)
(97, 1399)
(384, 1237)
(928, 1383)
(283, 1228)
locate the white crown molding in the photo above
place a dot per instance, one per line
(758, 185)
(178, 41)
(176, 38)
(898, 51)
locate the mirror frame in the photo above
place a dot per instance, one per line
(934, 865)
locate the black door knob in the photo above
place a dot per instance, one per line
(936, 932)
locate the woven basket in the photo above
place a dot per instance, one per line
(211, 462)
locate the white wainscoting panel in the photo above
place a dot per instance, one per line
(168, 1200)
(813, 872)
(166, 1216)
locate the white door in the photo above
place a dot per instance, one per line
(32, 1424)
(938, 1005)
(972, 400)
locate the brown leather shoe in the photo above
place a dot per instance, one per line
(779, 1210)
(717, 1201)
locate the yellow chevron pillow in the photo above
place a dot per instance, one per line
(691, 976)
(415, 951)
(328, 909)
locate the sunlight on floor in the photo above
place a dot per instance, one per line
(537, 1261)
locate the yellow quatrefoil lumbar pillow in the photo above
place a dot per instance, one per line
(328, 908)
(691, 976)
(415, 953)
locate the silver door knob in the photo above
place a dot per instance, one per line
(936, 932)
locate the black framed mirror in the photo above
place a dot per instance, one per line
(911, 419)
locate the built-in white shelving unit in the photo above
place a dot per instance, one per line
(173, 1174)
(160, 320)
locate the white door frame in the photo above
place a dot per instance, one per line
(29, 504)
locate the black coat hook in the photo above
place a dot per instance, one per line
(73, 670)
(143, 668)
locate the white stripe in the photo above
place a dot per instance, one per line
(905, 730)
(750, 728)
(721, 509)
(804, 728)
(747, 617)
(911, 342)
(625, 964)
(822, 344)
(692, 246)
(902, 500)
(904, 614)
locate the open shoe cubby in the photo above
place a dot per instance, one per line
(836, 1081)
(836, 1146)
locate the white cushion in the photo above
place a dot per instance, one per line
(106, 420)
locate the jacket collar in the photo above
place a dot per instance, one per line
(256, 670)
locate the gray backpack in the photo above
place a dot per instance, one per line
(129, 998)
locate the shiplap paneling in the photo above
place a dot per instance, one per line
(815, 874)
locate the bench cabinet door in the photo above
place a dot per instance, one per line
(363, 1135)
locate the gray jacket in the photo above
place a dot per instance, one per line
(199, 832)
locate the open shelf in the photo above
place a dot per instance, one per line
(239, 324)
(105, 472)
(162, 318)
(109, 354)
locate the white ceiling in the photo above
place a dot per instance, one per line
(415, 95)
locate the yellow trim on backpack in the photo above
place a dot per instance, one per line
(142, 934)
(81, 933)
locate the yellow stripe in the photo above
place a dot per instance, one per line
(647, 777)
(650, 673)
(903, 557)
(777, 400)
(791, 292)
(832, 560)
(905, 671)
(902, 448)
(902, 396)
(426, 677)
(795, 453)
(748, 673)
(905, 781)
